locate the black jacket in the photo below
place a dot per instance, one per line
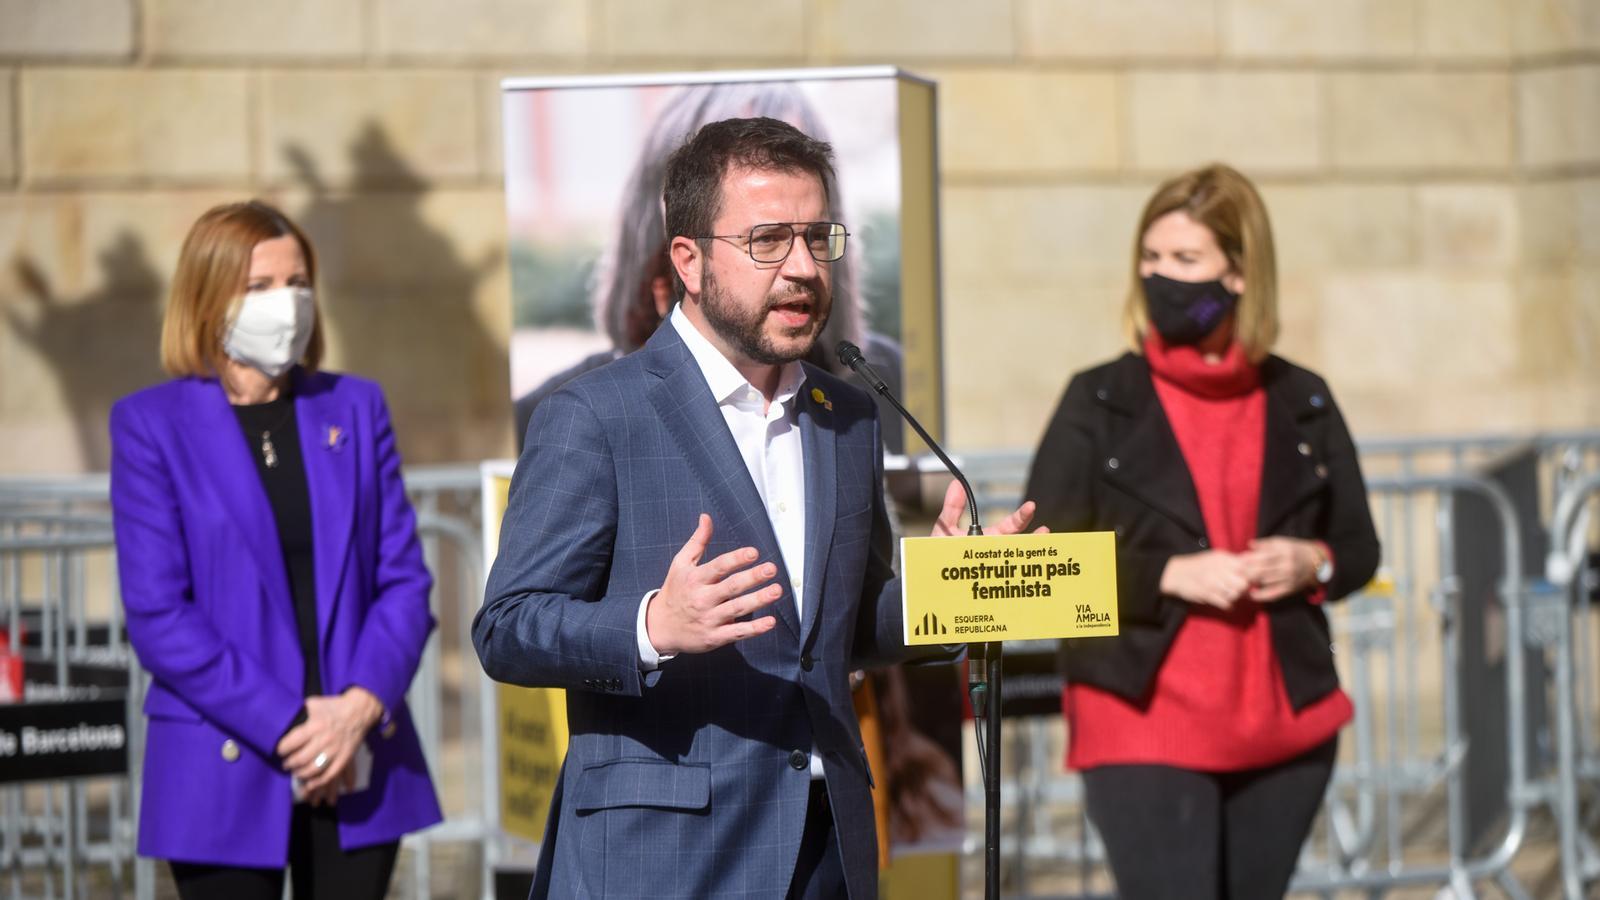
(1110, 462)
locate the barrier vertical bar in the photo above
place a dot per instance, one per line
(428, 698)
(1409, 562)
(488, 706)
(1564, 568)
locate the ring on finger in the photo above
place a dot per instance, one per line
(321, 762)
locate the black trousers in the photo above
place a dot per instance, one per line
(318, 868)
(819, 870)
(1176, 833)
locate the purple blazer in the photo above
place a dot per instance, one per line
(210, 615)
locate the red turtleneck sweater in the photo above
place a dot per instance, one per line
(1219, 703)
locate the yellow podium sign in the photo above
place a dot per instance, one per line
(1009, 588)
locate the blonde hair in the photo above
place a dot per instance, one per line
(1223, 200)
(213, 268)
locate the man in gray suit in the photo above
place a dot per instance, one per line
(696, 548)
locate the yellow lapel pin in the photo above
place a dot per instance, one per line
(820, 397)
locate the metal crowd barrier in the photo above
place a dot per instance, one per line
(1402, 772)
(76, 837)
(1402, 759)
(55, 834)
(1401, 764)
(447, 500)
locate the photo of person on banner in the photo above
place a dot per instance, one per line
(628, 290)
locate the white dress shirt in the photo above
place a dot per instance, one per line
(768, 438)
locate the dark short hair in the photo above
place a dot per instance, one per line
(693, 190)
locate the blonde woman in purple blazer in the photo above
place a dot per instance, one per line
(273, 582)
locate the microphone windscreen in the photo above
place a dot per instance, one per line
(849, 354)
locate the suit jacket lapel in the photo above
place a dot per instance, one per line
(819, 455)
(690, 415)
(328, 447)
(226, 464)
(1147, 461)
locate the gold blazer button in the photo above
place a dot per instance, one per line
(388, 730)
(230, 751)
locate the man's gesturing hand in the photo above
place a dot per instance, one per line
(698, 608)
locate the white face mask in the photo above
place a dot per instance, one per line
(272, 329)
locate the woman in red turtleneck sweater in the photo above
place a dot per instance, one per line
(1206, 731)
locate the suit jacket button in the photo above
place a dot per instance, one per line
(230, 750)
(1102, 393)
(806, 662)
(798, 759)
(616, 684)
(1112, 463)
(388, 730)
(1322, 471)
(1304, 448)
(1203, 543)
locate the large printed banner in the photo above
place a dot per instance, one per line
(585, 159)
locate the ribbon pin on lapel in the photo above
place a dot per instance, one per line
(820, 397)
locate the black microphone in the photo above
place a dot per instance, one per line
(850, 355)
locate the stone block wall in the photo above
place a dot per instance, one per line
(1432, 168)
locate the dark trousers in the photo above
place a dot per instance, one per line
(1176, 833)
(819, 870)
(318, 868)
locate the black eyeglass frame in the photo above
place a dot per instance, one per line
(750, 238)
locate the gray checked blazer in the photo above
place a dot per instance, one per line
(691, 780)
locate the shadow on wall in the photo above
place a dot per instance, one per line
(100, 346)
(397, 299)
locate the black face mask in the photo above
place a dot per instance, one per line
(1184, 312)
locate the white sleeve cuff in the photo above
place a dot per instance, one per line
(649, 659)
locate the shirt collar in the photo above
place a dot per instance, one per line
(726, 383)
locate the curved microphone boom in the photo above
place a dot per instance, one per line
(984, 671)
(850, 355)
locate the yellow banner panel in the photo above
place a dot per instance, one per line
(533, 741)
(922, 876)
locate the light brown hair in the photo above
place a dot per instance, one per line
(1223, 200)
(213, 268)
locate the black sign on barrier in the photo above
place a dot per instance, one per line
(1481, 671)
(71, 739)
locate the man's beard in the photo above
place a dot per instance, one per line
(745, 329)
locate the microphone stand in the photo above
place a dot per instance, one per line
(984, 663)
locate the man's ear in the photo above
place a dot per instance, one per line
(687, 259)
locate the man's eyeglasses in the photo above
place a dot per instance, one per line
(771, 243)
